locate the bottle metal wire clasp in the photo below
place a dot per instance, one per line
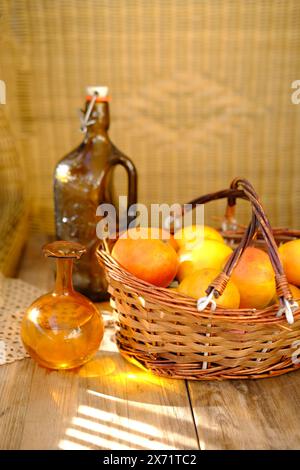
(85, 116)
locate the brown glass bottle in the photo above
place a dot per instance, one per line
(83, 180)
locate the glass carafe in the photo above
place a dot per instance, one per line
(83, 180)
(62, 329)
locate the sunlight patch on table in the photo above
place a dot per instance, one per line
(159, 408)
(135, 431)
(97, 441)
(65, 444)
(112, 417)
(125, 436)
(202, 445)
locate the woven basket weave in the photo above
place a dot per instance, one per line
(162, 330)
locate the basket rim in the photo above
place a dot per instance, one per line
(170, 298)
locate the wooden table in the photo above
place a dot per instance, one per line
(110, 404)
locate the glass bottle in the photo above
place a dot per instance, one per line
(83, 180)
(62, 329)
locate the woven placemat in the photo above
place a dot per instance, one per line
(15, 297)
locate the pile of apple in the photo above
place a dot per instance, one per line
(195, 255)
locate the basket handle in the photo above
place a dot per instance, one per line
(259, 220)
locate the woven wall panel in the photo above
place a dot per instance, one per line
(201, 93)
(13, 200)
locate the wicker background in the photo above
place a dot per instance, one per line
(201, 93)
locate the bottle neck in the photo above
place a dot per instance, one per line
(99, 114)
(64, 283)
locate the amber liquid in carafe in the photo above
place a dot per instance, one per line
(82, 181)
(67, 345)
(62, 329)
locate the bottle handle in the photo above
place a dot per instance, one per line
(128, 165)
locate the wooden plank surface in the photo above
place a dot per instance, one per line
(110, 404)
(107, 404)
(248, 414)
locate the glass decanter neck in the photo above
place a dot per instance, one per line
(65, 252)
(64, 282)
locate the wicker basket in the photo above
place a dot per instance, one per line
(164, 332)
